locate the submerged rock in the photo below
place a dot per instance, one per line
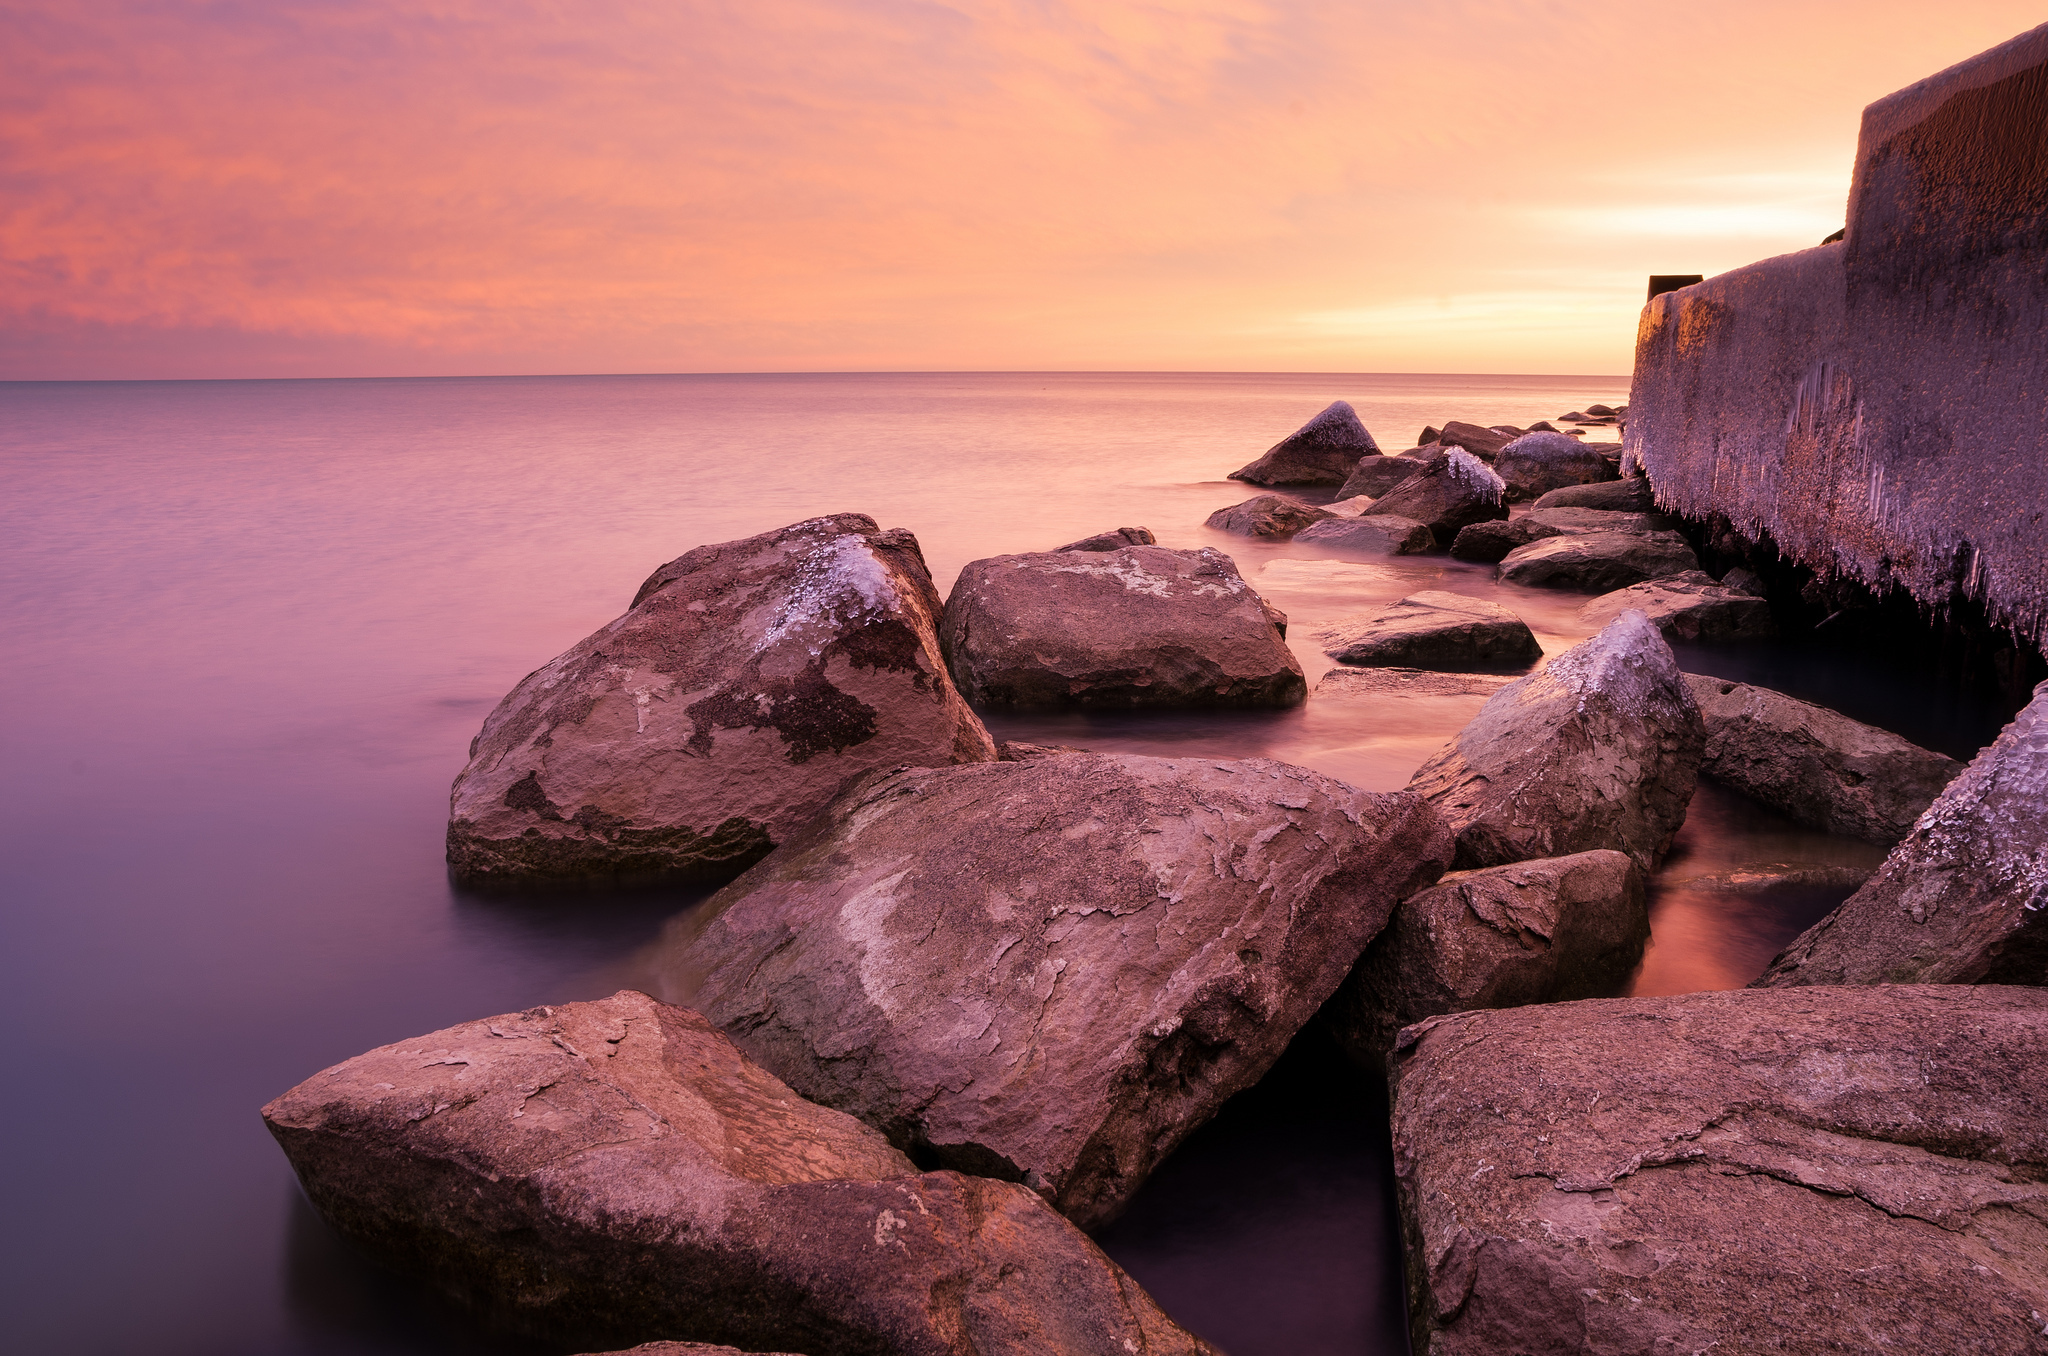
(1814, 765)
(1139, 626)
(1112, 541)
(1633, 495)
(1540, 462)
(1688, 606)
(1597, 562)
(1435, 630)
(1534, 932)
(1492, 541)
(1453, 489)
(1324, 451)
(1381, 533)
(616, 1170)
(1963, 898)
(1374, 476)
(1483, 443)
(1267, 515)
(1598, 749)
(747, 682)
(1052, 971)
(1826, 1170)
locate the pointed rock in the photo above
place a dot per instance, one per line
(1112, 541)
(1324, 451)
(1453, 489)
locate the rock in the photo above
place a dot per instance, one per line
(1430, 433)
(1628, 496)
(1435, 630)
(1112, 541)
(1598, 749)
(1814, 765)
(1379, 683)
(1744, 581)
(1267, 515)
(1540, 462)
(1573, 416)
(1349, 508)
(1016, 751)
(1482, 443)
(1509, 431)
(1578, 520)
(747, 682)
(684, 1349)
(1053, 971)
(1139, 626)
(609, 1171)
(1493, 540)
(1542, 426)
(1376, 475)
(1597, 562)
(1688, 606)
(1424, 452)
(1321, 452)
(1765, 878)
(1453, 489)
(1382, 533)
(1600, 411)
(1960, 900)
(1827, 1170)
(1533, 932)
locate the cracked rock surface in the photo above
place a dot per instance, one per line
(1963, 898)
(1800, 1171)
(1054, 970)
(614, 1171)
(1324, 451)
(746, 683)
(1137, 626)
(1600, 748)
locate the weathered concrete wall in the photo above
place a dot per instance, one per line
(1879, 406)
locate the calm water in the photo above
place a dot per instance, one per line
(251, 627)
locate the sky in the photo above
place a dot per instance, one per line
(248, 188)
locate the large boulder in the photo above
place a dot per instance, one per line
(1138, 626)
(614, 1171)
(1843, 1169)
(1689, 606)
(1379, 533)
(1491, 541)
(1267, 515)
(1435, 630)
(1537, 463)
(1533, 932)
(1633, 495)
(1483, 443)
(1112, 541)
(1452, 490)
(746, 683)
(1597, 562)
(1051, 971)
(1962, 900)
(1814, 765)
(1600, 748)
(1376, 475)
(1324, 451)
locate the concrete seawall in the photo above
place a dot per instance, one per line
(1879, 406)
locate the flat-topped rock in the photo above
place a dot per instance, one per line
(1271, 516)
(1961, 900)
(1491, 541)
(1536, 463)
(1600, 748)
(1453, 489)
(605, 1172)
(1633, 495)
(1374, 476)
(1578, 520)
(1055, 971)
(1597, 562)
(1380, 533)
(1138, 626)
(746, 683)
(1483, 443)
(1390, 682)
(1814, 765)
(1533, 932)
(1689, 606)
(1112, 541)
(1324, 451)
(1435, 630)
(1831, 1169)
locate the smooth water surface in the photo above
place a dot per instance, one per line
(251, 627)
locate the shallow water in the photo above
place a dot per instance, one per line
(251, 627)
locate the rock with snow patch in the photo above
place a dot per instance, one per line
(1453, 489)
(1324, 451)
(1537, 463)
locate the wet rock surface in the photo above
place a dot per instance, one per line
(1112, 541)
(1054, 970)
(1324, 451)
(1690, 606)
(1822, 1170)
(1453, 489)
(1598, 749)
(1138, 626)
(1379, 533)
(1816, 766)
(1267, 515)
(1633, 495)
(1374, 476)
(1537, 463)
(616, 1170)
(748, 681)
(1534, 932)
(1962, 899)
(1435, 630)
(1492, 541)
(1597, 562)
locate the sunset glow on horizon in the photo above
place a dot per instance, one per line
(348, 189)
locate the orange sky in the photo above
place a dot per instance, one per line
(290, 187)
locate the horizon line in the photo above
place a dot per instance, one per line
(819, 372)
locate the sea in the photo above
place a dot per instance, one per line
(249, 629)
